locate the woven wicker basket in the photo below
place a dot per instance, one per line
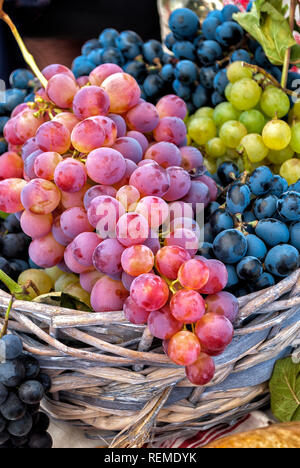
(112, 379)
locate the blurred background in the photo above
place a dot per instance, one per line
(55, 30)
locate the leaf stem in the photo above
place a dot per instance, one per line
(27, 56)
(6, 319)
(271, 78)
(287, 58)
(14, 288)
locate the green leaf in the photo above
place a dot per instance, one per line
(285, 391)
(295, 54)
(267, 24)
(3, 215)
(59, 299)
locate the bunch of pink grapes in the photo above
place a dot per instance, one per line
(106, 186)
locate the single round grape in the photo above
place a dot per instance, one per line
(140, 138)
(134, 313)
(74, 222)
(184, 348)
(41, 281)
(107, 257)
(230, 246)
(100, 73)
(22, 427)
(290, 171)
(154, 210)
(105, 166)
(289, 206)
(277, 135)
(187, 306)
(87, 136)
(170, 129)
(143, 117)
(202, 371)
(104, 212)
(137, 260)
(279, 157)
(202, 129)
(56, 69)
(169, 260)
(58, 233)
(61, 89)
(53, 136)
(223, 303)
(11, 347)
(295, 141)
(75, 199)
(36, 226)
(97, 191)
(129, 148)
(108, 295)
(272, 232)
(83, 247)
(150, 292)
(91, 101)
(225, 112)
(89, 279)
(46, 252)
(10, 195)
(218, 277)
(132, 229)
(282, 260)
(120, 124)
(11, 166)
(256, 247)
(109, 127)
(238, 198)
(193, 274)
(254, 147)
(180, 183)
(245, 94)
(123, 91)
(165, 154)
(215, 333)
(171, 106)
(70, 175)
(253, 120)
(13, 408)
(236, 71)
(232, 132)
(40, 197)
(162, 324)
(40, 440)
(68, 119)
(249, 269)
(191, 158)
(45, 165)
(215, 148)
(274, 102)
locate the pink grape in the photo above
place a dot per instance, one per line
(70, 175)
(129, 148)
(82, 81)
(202, 371)
(105, 166)
(90, 101)
(186, 223)
(108, 295)
(137, 260)
(130, 168)
(29, 163)
(193, 274)
(11, 166)
(36, 226)
(72, 263)
(68, 119)
(120, 123)
(87, 136)
(150, 292)
(103, 213)
(151, 180)
(198, 196)
(58, 233)
(218, 277)
(123, 91)
(184, 348)
(162, 324)
(140, 138)
(27, 124)
(9, 132)
(215, 333)
(153, 242)
(107, 257)
(169, 260)
(56, 69)
(74, 221)
(10, 195)
(127, 280)
(89, 279)
(45, 165)
(132, 229)
(70, 200)
(28, 148)
(53, 136)
(142, 118)
(191, 158)
(165, 154)
(147, 162)
(63, 267)
(40, 197)
(187, 306)
(211, 184)
(84, 246)
(14, 148)
(19, 109)
(110, 129)
(180, 184)
(184, 238)
(179, 209)
(134, 313)
(171, 106)
(128, 196)
(61, 89)
(46, 252)
(99, 74)
(154, 209)
(171, 129)
(98, 191)
(223, 303)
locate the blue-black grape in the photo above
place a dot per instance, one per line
(12, 224)
(13, 408)
(41, 422)
(210, 209)
(12, 373)
(207, 76)
(272, 232)
(184, 50)
(139, 71)
(182, 90)
(21, 78)
(209, 27)
(230, 246)
(233, 278)
(265, 206)
(229, 33)
(11, 347)
(206, 251)
(167, 73)
(279, 186)
(261, 180)
(82, 66)
(209, 52)
(112, 55)
(32, 366)
(130, 44)
(221, 81)
(186, 72)
(45, 380)
(40, 440)
(152, 50)
(208, 235)
(260, 58)
(288, 206)
(153, 86)
(184, 23)
(266, 280)
(199, 97)
(282, 260)
(14, 245)
(249, 269)
(89, 46)
(95, 56)
(3, 394)
(295, 235)
(238, 198)
(220, 220)
(31, 392)
(228, 11)
(108, 37)
(2, 424)
(256, 247)
(295, 187)
(216, 98)
(3, 122)
(228, 172)
(170, 41)
(21, 427)
(240, 55)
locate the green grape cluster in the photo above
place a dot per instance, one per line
(257, 126)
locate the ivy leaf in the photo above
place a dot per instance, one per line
(267, 24)
(285, 391)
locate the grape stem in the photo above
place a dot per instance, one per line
(26, 54)
(15, 289)
(287, 58)
(6, 318)
(271, 78)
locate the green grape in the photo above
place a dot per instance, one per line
(295, 141)
(76, 290)
(274, 102)
(296, 110)
(232, 153)
(236, 72)
(211, 165)
(54, 273)
(277, 135)
(204, 112)
(232, 132)
(202, 129)
(215, 148)
(228, 91)
(42, 283)
(245, 94)
(290, 170)
(64, 281)
(254, 147)
(224, 112)
(253, 120)
(279, 157)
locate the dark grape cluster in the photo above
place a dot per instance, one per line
(255, 231)
(22, 387)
